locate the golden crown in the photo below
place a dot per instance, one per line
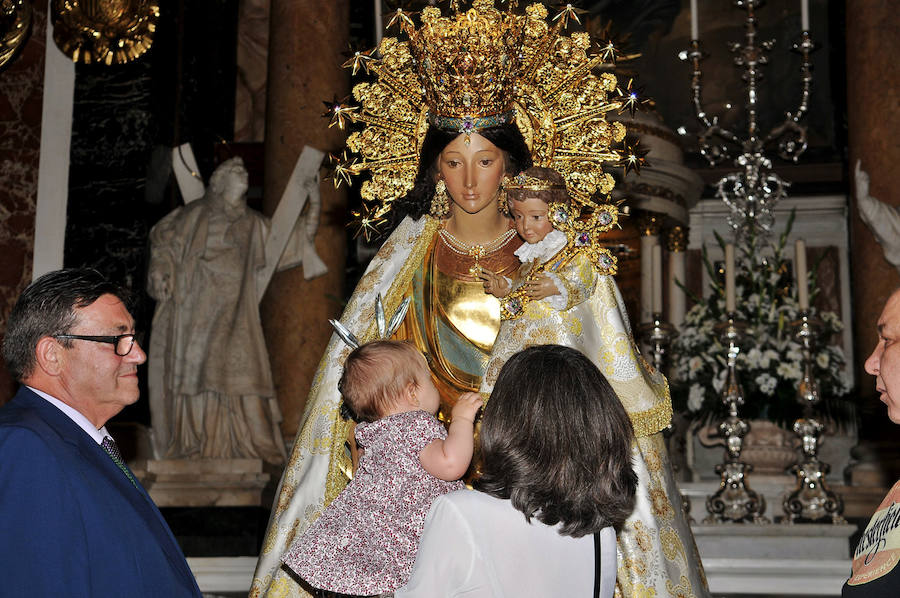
(466, 64)
(526, 182)
(482, 64)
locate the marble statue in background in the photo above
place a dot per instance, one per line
(882, 219)
(252, 70)
(211, 390)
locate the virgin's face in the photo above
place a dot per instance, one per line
(472, 173)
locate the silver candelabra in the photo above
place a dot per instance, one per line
(734, 501)
(811, 499)
(752, 192)
(658, 334)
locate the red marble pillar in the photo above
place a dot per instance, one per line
(873, 119)
(21, 102)
(306, 39)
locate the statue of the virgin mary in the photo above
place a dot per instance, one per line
(517, 86)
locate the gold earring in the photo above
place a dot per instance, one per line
(502, 203)
(440, 201)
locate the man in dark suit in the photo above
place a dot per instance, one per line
(73, 520)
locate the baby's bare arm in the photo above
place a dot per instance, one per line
(541, 288)
(494, 284)
(448, 459)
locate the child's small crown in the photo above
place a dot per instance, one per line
(525, 182)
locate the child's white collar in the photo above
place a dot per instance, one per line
(544, 249)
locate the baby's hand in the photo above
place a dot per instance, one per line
(541, 287)
(493, 284)
(467, 406)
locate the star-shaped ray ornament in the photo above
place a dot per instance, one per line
(403, 19)
(366, 221)
(341, 168)
(633, 158)
(567, 12)
(339, 112)
(358, 59)
(632, 97)
(608, 51)
(405, 83)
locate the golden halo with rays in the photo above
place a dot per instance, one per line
(561, 98)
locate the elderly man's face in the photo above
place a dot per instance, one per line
(884, 362)
(98, 382)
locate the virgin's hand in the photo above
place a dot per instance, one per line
(493, 284)
(541, 287)
(467, 406)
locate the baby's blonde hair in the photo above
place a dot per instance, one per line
(376, 375)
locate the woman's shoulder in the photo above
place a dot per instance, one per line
(465, 502)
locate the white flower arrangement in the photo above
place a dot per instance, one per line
(771, 361)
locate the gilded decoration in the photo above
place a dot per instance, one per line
(455, 71)
(104, 31)
(677, 240)
(15, 27)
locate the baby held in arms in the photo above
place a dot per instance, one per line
(365, 542)
(529, 206)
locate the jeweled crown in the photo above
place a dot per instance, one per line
(467, 64)
(474, 69)
(524, 182)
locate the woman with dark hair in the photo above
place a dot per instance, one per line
(557, 480)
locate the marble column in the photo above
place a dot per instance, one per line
(21, 101)
(873, 94)
(306, 38)
(649, 225)
(676, 243)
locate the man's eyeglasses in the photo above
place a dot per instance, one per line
(122, 343)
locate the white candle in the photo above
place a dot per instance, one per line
(647, 243)
(657, 279)
(677, 301)
(695, 27)
(729, 278)
(804, 15)
(800, 264)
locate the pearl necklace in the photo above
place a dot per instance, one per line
(478, 250)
